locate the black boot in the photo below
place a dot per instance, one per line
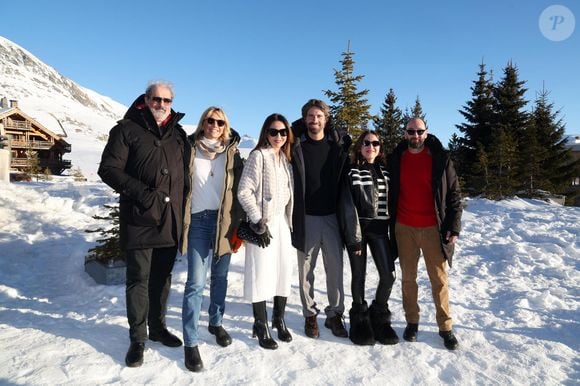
(361, 331)
(260, 328)
(449, 340)
(410, 334)
(165, 337)
(193, 360)
(278, 319)
(134, 357)
(381, 322)
(221, 335)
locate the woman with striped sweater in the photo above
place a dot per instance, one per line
(364, 221)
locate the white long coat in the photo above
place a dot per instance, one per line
(266, 191)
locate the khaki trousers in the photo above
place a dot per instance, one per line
(410, 242)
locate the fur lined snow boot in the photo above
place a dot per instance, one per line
(381, 323)
(361, 331)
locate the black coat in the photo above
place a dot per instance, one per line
(446, 192)
(359, 202)
(149, 170)
(299, 213)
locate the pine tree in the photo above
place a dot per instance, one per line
(389, 124)
(77, 174)
(32, 168)
(47, 174)
(350, 108)
(480, 168)
(108, 248)
(500, 165)
(555, 167)
(511, 126)
(479, 115)
(454, 146)
(415, 112)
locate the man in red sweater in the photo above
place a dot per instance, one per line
(425, 208)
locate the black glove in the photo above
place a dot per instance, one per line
(260, 227)
(265, 238)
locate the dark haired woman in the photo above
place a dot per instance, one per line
(210, 217)
(266, 195)
(364, 219)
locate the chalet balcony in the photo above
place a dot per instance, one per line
(35, 145)
(19, 125)
(18, 163)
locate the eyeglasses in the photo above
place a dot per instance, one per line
(159, 100)
(220, 122)
(413, 132)
(274, 132)
(374, 143)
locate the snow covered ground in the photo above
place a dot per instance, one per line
(515, 291)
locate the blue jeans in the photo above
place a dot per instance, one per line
(202, 233)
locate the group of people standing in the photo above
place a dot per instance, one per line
(302, 185)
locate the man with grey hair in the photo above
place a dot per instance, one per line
(319, 155)
(145, 161)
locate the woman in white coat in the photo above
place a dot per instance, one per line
(266, 195)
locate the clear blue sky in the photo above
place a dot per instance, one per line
(255, 57)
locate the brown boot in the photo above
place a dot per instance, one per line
(311, 327)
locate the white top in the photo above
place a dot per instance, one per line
(207, 182)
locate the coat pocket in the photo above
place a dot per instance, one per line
(150, 216)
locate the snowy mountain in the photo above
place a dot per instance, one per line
(63, 106)
(60, 104)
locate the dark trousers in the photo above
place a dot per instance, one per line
(147, 289)
(379, 246)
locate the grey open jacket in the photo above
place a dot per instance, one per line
(229, 212)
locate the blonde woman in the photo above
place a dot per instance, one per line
(266, 195)
(210, 217)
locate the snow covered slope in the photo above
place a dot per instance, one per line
(514, 286)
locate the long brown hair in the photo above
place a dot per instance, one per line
(263, 139)
(357, 158)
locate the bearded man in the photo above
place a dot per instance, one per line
(425, 208)
(146, 160)
(319, 156)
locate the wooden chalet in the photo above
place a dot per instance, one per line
(24, 134)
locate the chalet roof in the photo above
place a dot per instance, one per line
(5, 112)
(49, 121)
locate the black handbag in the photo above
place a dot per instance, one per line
(246, 233)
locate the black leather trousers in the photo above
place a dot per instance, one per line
(379, 248)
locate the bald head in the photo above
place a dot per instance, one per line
(415, 134)
(416, 123)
